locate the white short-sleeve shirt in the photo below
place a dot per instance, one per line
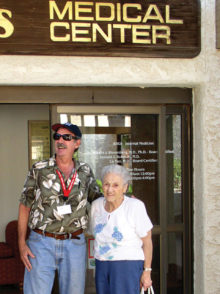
(118, 234)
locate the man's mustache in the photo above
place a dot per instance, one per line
(61, 145)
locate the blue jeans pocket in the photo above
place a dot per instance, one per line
(34, 237)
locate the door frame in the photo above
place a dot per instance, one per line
(162, 110)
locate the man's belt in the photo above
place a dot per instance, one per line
(60, 236)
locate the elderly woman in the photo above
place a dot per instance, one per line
(122, 231)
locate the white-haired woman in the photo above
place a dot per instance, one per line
(122, 231)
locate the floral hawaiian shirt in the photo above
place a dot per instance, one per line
(43, 194)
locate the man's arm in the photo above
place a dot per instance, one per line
(93, 188)
(25, 251)
(148, 251)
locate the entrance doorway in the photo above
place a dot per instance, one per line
(154, 144)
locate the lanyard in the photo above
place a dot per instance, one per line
(67, 191)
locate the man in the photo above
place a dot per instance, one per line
(54, 206)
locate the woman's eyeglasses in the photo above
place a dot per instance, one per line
(66, 137)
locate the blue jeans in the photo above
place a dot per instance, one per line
(68, 257)
(118, 277)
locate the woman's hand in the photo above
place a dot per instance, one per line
(146, 281)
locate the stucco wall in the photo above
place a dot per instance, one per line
(203, 74)
(211, 155)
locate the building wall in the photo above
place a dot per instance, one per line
(14, 156)
(202, 74)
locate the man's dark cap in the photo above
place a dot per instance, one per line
(72, 128)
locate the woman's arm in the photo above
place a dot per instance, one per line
(146, 281)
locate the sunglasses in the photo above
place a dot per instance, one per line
(66, 137)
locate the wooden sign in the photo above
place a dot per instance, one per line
(137, 28)
(217, 19)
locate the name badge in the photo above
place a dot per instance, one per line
(64, 209)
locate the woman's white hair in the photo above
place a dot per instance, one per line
(116, 169)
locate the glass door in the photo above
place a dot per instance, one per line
(178, 200)
(148, 141)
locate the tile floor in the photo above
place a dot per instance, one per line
(10, 289)
(14, 289)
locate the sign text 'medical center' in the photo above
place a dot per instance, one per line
(117, 17)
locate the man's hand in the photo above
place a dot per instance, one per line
(25, 252)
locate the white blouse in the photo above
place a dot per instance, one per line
(118, 234)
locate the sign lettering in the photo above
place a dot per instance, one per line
(116, 12)
(6, 24)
